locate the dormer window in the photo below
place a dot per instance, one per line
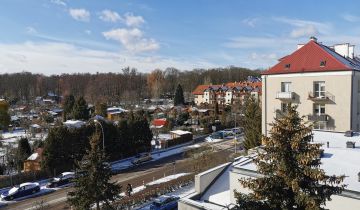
(322, 63)
(287, 66)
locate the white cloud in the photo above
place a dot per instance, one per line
(306, 27)
(133, 21)
(250, 21)
(31, 30)
(109, 16)
(132, 39)
(80, 14)
(59, 2)
(305, 31)
(351, 18)
(56, 58)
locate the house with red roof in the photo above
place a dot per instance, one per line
(227, 94)
(324, 81)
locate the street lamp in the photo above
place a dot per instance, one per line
(235, 140)
(102, 130)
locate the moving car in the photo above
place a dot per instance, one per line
(165, 202)
(22, 190)
(62, 179)
(141, 158)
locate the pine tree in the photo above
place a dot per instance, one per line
(101, 109)
(252, 123)
(292, 178)
(4, 119)
(179, 96)
(80, 110)
(68, 106)
(23, 151)
(93, 186)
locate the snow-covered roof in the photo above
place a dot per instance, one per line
(35, 126)
(180, 132)
(114, 110)
(34, 156)
(74, 123)
(337, 159)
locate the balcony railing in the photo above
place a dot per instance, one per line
(318, 118)
(285, 95)
(279, 113)
(321, 96)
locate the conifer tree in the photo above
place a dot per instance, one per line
(93, 186)
(68, 105)
(80, 110)
(179, 96)
(101, 109)
(292, 178)
(252, 123)
(23, 151)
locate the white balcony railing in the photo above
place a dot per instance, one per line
(285, 95)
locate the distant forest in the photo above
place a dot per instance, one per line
(129, 85)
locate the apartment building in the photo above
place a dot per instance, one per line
(228, 93)
(323, 81)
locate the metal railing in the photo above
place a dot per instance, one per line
(285, 95)
(321, 96)
(319, 118)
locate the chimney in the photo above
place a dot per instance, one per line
(313, 38)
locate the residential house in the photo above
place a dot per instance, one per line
(323, 81)
(227, 94)
(33, 163)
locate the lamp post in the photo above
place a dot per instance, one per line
(102, 130)
(235, 140)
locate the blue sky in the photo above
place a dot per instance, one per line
(66, 36)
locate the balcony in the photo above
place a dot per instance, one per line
(279, 113)
(324, 96)
(285, 95)
(318, 118)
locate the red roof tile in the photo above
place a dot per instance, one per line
(308, 58)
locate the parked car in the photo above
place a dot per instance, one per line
(22, 190)
(141, 158)
(62, 179)
(165, 202)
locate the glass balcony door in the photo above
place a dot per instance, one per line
(319, 89)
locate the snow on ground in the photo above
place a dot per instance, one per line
(167, 178)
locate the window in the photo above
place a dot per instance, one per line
(322, 63)
(285, 86)
(284, 106)
(319, 109)
(320, 125)
(287, 66)
(319, 89)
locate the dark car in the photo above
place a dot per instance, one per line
(22, 190)
(141, 158)
(165, 202)
(64, 179)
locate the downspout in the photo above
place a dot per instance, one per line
(352, 98)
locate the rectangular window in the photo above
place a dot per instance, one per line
(285, 86)
(322, 63)
(319, 89)
(284, 106)
(287, 66)
(319, 109)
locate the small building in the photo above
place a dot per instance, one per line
(159, 123)
(179, 133)
(115, 113)
(33, 163)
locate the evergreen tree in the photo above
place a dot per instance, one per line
(290, 164)
(101, 109)
(80, 110)
(23, 151)
(4, 115)
(68, 106)
(93, 186)
(179, 96)
(252, 123)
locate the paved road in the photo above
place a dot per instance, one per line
(136, 176)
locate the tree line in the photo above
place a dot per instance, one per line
(128, 85)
